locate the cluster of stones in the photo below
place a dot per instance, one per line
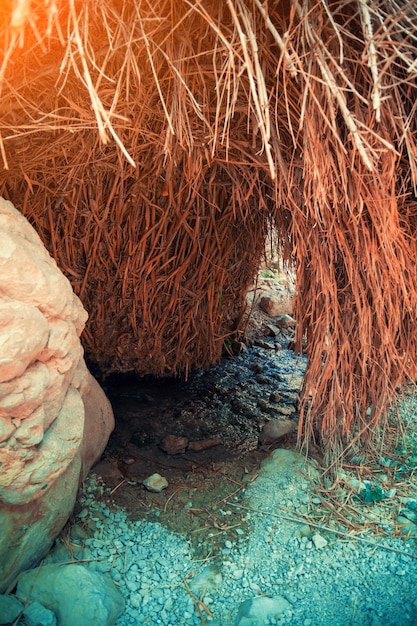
(46, 393)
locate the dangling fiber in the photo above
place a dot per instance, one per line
(151, 143)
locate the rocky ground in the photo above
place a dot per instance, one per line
(203, 512)
(208, 435)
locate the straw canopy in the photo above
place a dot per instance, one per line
(153, 143)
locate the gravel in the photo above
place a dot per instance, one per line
(316, 578)
(269, 569)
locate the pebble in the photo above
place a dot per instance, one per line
(155, 483)
(319, 541)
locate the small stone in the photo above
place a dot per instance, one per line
(273, 330)
(208, 580)
(228, 544)
(36, 614)
(155, 483)
(237, 574)
(172, 444)
(275, 397)
(258, 610)
(263, 344)
(275, 429)
(271, 305)
(407, 527)
(263, 405)
(239, 347)
(319, 541)
(285, 321)
(304, 531)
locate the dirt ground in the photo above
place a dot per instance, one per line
(200, 483)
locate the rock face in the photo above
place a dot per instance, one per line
(44, 389)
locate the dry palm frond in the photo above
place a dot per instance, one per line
(151, 143)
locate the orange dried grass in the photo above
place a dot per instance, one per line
(150, 143)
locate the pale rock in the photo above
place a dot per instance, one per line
(21, 396)
(275, 429)
(286, 464)
(285, 321)
(7, 428)
(30, 431)
(62, 339)
(319, 541)
(81, 377)
(24, 334)
(49, 402)
(78, 596)
(273, 304)
(257, 611)
(98, 423)
(27, 270)
(10, 609)
(12, 464)
(30, 527)
(155, 483)
(57, 390)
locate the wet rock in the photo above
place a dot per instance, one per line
(275, 429)
(171, 444)
(263, 344)
(204, 444)
(264, 406)
(155, 483)
(273, 330)
(74, 593)
(275, 397)
(285, 321)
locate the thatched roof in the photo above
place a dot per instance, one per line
(152, 142)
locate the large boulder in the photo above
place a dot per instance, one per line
(75, 594)
(47, 398)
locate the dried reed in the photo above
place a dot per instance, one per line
(150, 143)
